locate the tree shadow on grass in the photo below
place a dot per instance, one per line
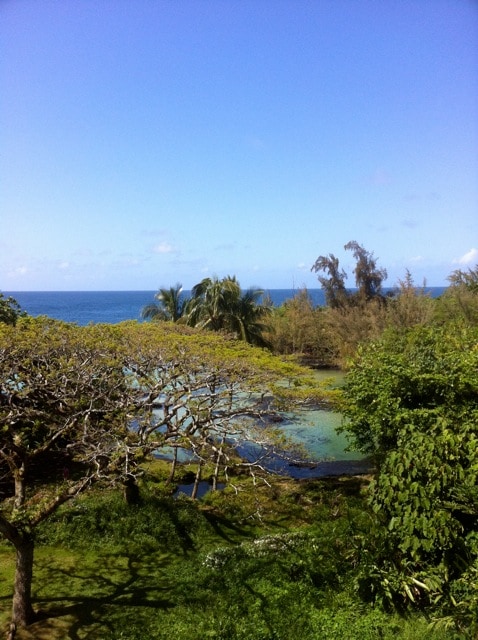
(169, 509)
(98, 595)
(225, 528)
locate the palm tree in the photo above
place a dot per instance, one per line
(220, 305)
(211, 302)
(248, 316)
(170, 305)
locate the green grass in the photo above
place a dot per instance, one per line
(173, 569)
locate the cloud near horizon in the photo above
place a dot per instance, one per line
(470, 257)
(18, 271)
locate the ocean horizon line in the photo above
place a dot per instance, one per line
(116, 305)
(11, 292)
(388, 288)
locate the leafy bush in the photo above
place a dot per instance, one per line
(412, 402)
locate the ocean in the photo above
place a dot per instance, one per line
(85, 307)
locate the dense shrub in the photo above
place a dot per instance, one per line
(412, 403)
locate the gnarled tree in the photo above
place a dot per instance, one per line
(208, 395)
(81, 405)
(64, 402)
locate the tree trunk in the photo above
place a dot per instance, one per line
(197, 480)
(174, 462)
(20, 487)
(217, 466)
(22, 611)
(131, 491)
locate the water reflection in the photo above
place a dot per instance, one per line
(203, 487)
(314, 430)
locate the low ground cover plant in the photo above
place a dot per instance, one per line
(277, 563)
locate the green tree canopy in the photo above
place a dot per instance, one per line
(64, 402)
(83, 405)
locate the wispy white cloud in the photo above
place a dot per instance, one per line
(17, 271)
(470, 257)
(163, 247)
(417, 259)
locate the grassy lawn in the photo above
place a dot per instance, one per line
(271, 564)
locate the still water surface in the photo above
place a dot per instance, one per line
(315, 430)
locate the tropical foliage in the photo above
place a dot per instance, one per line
(411, 401)
(217, 305)
(170, 305)
(84, 407)
(264, 563)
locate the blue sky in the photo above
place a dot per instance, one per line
(145, 143)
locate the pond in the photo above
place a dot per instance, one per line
(315, 431)
(325, 449)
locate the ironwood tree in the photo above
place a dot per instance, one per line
(299, 328)
(369, 277)
(461, 297)
(333, 284)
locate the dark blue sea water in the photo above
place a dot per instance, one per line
(84, 307)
